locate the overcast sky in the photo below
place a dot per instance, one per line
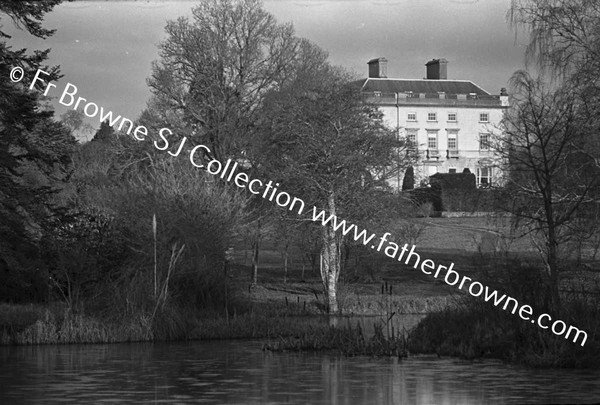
(105, 48)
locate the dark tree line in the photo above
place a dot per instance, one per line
(35, 159)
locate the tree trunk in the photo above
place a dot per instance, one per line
(552, 259)
(285, 262)
(552, 251)
(330, 271)
(255, 251)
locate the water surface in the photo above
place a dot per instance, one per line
(239, 372)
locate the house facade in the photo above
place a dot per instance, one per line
(449, 122)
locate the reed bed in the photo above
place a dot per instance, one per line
(347, 340)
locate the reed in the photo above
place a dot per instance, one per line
(30, 324)
(348, 340)
(41, 325)
(254, 325)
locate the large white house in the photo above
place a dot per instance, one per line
(449, 122)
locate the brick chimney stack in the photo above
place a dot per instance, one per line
(378, 68)
(437, 69)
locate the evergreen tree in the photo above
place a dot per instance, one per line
(106, 133)
(408, 183)
(34, 158)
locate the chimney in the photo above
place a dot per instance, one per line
(378, 67)
(503, 97)
(437, 69)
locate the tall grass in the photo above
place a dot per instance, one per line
(41, 325)
(38, 325)
(347, 340)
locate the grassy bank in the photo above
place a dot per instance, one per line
(34, 324)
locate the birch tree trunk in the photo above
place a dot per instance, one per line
(330, 270)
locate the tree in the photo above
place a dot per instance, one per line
(564, 40)
(35, 159)
(408, 183)
(324, 143)
(29, 15)
(211, 79)
(215, 69)
(105, 133)
(550, 178)
(74, 120)
(564, 35)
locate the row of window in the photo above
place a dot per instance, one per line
(432, 139)
(452, 117)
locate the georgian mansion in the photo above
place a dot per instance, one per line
(449, 122)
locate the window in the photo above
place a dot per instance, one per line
(432, 140)
(484, 141)
(453, 140)
(377, 93)
(411, 138)
(431, 117)
(484, 117)
(452, 170)
(484, 176)
(452, 117)
(412, 116)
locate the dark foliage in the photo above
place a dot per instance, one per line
(34, 160)
(408, 183)
(105, 133)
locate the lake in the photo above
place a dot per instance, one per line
(239, 372)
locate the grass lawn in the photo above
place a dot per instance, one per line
(469, 243)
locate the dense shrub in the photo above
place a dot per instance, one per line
(426, 195)
(474, 328)
(195, 213)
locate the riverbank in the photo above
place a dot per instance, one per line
(269, 310)
(287, 308)
(35, 324)
(370, 285)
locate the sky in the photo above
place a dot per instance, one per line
(106, 48)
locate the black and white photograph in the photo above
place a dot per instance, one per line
(300, 202)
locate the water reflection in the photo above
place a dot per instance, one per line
(240, 373)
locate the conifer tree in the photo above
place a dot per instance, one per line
(35, 155)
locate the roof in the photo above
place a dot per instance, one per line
(385, 85)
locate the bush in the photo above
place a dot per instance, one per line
(474, 328)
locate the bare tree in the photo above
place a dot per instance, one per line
(564, 40)
(549, 176)
(331, 148)
(564, 34)
(215, 69)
